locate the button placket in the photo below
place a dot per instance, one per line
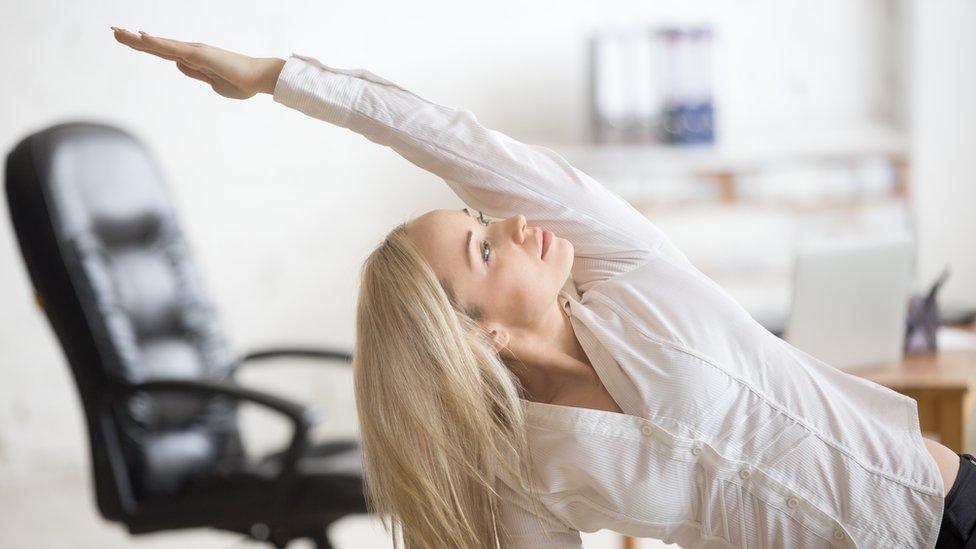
(769, 490)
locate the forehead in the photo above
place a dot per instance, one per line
(436, 221)
(441, 236)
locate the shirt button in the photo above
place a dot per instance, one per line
(792, 503)
(743, 473)
(838, 534)
(695, 450)
(647, 430)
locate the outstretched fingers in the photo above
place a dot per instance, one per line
(173, 50)
(135, 42)
(183, 50)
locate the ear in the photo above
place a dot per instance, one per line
(498, 336)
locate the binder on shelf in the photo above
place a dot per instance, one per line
(652, 86)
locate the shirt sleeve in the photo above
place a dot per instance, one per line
(525, 530)
(488, 170)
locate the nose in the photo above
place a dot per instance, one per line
(518, 225)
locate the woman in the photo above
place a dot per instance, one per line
(652, 403)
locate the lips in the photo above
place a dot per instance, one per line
(546, 242)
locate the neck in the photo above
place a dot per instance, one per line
(548, 358)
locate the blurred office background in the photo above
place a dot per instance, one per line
(827, 119)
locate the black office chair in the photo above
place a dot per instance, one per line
(111, 270)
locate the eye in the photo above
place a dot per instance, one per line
(485, 250)
(485, 245)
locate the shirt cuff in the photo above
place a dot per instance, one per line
(305, 84)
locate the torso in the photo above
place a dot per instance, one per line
(595, 396)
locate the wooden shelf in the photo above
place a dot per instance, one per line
(747, 155)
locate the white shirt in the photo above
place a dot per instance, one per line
(730, 437)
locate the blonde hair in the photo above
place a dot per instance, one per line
(438, 409)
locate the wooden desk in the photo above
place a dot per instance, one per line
(942, 383)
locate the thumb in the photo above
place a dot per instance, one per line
(193, 73)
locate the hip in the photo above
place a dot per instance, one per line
(959, 515)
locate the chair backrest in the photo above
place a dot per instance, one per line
(112, 271)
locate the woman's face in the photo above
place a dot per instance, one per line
(496, 265)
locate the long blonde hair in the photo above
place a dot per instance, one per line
(438, 409)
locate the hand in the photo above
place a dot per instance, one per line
(230, 74)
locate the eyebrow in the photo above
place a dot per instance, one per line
(467, 245)
(467, 249)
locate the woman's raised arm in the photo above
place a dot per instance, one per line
(488, 170)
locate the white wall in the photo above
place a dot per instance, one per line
(281, 209)
(943, 129)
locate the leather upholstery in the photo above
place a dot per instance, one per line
(116, 226)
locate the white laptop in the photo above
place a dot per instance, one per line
(850, 300)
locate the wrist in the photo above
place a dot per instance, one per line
(268, 70)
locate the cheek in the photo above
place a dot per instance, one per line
(519, 283)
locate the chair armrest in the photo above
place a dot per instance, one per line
(299, 415)
(302, 417)
(296, 352)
